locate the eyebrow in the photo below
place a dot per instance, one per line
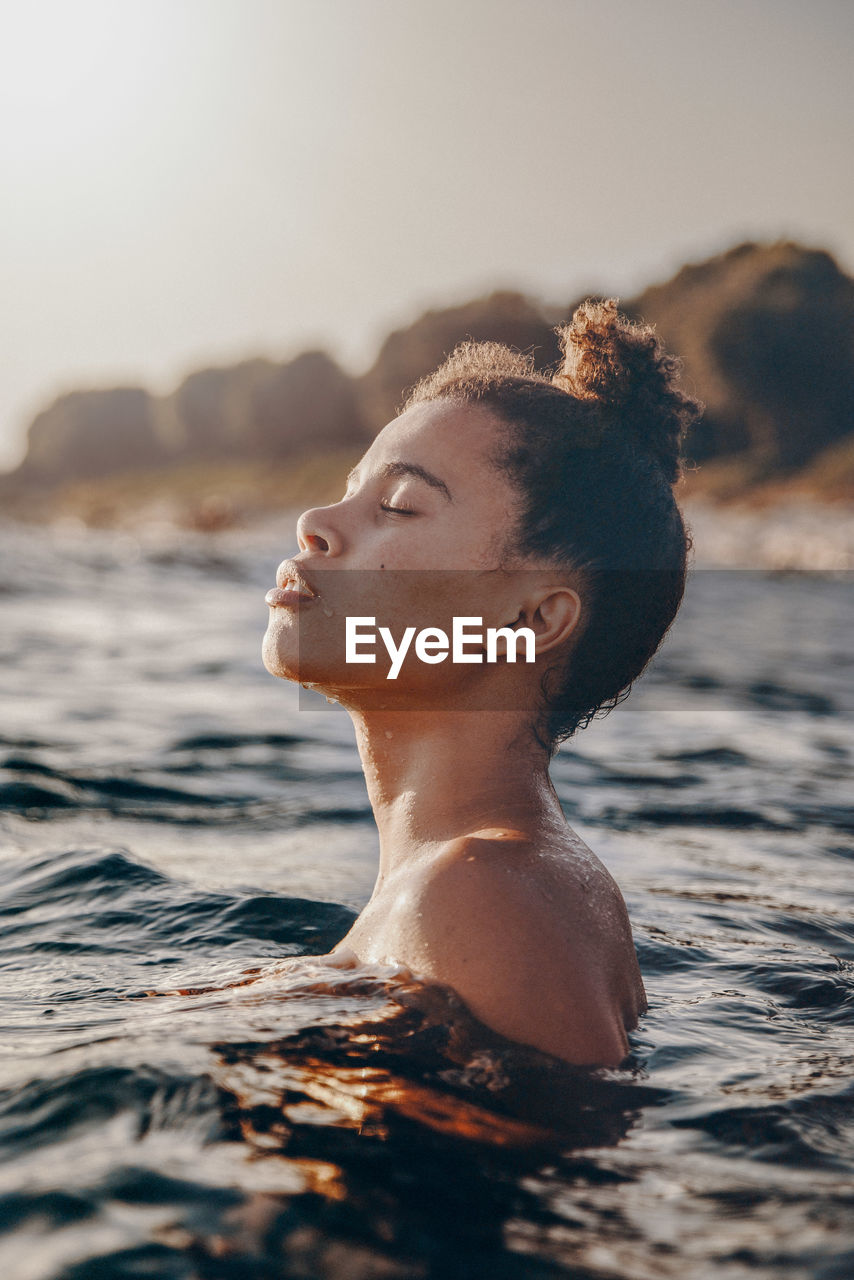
(392, 470)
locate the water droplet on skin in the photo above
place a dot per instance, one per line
(388, 733)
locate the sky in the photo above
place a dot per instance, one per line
(190, 182)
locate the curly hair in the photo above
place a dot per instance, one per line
(594, 450)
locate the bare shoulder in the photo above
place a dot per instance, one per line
(536, 941)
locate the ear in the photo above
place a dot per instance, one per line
(553, 617)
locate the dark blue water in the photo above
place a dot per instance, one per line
(182, 1095)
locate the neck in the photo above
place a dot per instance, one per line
(435, 776)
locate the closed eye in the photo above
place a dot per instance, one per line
(397, 511)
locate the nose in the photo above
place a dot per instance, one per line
(316, 531)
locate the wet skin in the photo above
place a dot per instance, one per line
(482, 885)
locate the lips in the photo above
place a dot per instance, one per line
(281, 597)
(292, 588)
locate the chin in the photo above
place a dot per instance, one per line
(280, 655)
(277, 659)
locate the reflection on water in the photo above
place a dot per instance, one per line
(185, 1092)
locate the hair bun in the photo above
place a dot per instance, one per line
(623, 365)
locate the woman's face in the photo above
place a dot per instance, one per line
(418, 538)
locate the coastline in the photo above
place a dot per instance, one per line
(781, 526)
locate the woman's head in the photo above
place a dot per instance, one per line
(493, 465)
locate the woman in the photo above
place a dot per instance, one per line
(536, 504)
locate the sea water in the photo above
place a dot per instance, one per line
(182, 1094)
